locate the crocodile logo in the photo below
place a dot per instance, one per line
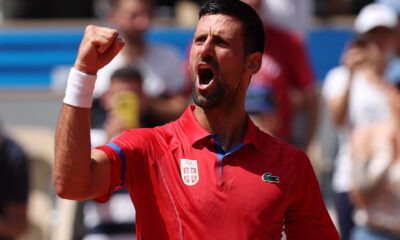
(267, 177)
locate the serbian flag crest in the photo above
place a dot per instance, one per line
(189, 171)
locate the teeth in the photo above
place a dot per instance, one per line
(203, 67)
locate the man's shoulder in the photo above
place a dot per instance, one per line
(283, 158)
(151, 135)
(280, 147)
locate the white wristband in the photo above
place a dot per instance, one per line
(79, 90)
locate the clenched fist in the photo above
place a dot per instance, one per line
(98, 47)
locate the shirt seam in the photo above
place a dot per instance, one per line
(171, 198)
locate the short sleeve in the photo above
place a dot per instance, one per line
(127, 153)
(307, 217)
(335, 83)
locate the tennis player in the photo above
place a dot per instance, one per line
(212, 174)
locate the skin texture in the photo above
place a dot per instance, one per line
(81, 173)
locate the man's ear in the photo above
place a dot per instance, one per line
(253, 63)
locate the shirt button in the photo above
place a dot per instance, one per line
(212, 140)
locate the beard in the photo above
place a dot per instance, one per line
(208, 101)
(222, 96)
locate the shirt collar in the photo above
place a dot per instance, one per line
(253, 134)
(191, 126)
(196, 132)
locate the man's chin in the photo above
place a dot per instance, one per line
(205, 102)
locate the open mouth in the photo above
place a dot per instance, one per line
(206, 75)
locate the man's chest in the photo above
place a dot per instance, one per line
(222, 187)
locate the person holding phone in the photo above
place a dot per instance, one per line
(354, 95)
(121, 107)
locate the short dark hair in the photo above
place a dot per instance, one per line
(127, 74)
(253, 30)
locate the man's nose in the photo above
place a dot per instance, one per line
(207, 49)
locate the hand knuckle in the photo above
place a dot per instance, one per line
(89, 28)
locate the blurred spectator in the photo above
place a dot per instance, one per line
(13, 188)
(286, 69)
(123, 104)
(160, 66)
(393, 69)
(260, 105)
(27, 9)
(324, 8)
(293, 15)
(376, 154)
(354, 95)
(121, 107)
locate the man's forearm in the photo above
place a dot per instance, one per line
(72, 153)
(76, 175)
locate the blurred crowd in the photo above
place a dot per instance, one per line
(14, 9)
(148, 85)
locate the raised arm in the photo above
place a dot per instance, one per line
(79, 172)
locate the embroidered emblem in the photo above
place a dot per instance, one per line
(189, 171)
(267, 177)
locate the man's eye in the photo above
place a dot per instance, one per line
(199, 40)
(221, 42)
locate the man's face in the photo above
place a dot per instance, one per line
(218, 61)
(133, 18)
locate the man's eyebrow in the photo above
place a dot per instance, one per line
(218, 38)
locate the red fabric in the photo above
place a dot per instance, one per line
(285, 66)
(237, 204)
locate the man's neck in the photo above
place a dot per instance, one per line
(229, 126)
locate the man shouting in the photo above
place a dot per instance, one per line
(209, 175)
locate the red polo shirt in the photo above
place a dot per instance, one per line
(184, 186)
